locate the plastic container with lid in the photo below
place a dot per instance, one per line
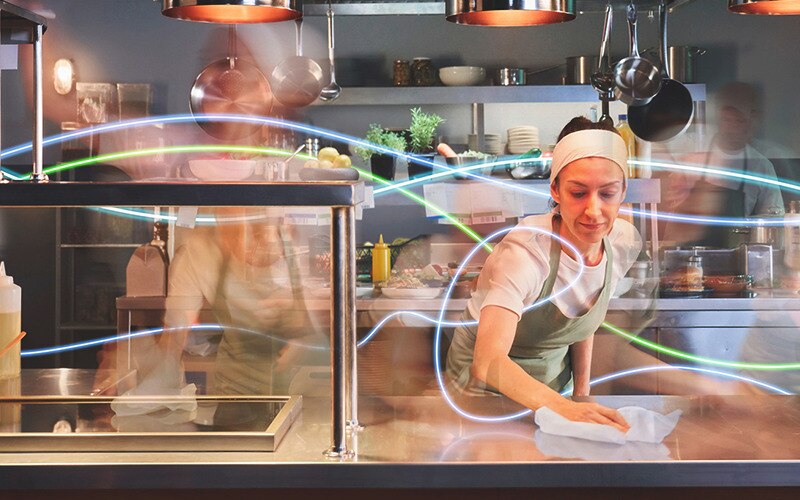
(10, 324)
(381, 261)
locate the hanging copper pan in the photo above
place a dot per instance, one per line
(230, 86)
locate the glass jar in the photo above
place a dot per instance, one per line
(424, 74)
(401, 76)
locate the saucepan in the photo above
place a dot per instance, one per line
(637, 78)
(297, 81)
(230, 86)
(670, 112)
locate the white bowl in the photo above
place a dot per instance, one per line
(462, 75)
(222, 170)
(411, 293)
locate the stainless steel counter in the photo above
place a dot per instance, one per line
(419, 442)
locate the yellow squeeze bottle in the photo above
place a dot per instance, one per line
(381, 261)
(630, 142)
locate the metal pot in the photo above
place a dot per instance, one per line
(510, 76)
(683, 63)
(756, 233)
(580, 69)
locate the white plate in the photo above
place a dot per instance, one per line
(411, 293)
(325, 293)
(222, 170)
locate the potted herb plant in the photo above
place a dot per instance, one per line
(381, 164)
(422, 133)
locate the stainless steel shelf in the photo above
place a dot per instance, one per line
(437, 7)
(86, 326)
(100, 245)
(639, 191)
(93, 194)
(17, 25)
(410, 96)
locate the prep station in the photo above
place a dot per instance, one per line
(264, 290)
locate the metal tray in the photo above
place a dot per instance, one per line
(90, 424)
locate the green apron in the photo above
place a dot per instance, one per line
(245, 360)
(543, 336)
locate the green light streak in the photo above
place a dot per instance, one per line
(466, 229)
(699, 359)
(463, 227)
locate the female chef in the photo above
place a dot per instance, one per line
(530, 354)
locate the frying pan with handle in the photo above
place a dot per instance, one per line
(670, 112)
(638, 79)
(230, 86)
(297, 80)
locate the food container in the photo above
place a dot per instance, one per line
(95, 102)
(532, 168)
(510, 76)
(424, 75)
(401, 75)
(728, 284)
(580, 69)
(463, 161)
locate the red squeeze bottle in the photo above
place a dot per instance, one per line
(446, 150)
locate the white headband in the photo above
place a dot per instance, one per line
(586, 144)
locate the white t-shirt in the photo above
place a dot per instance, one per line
(514, 273)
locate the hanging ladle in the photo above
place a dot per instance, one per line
(332, 90)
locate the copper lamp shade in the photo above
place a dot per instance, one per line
(233, 11)
(765, 7)
(510, 12)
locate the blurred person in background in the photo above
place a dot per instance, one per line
(738, 114)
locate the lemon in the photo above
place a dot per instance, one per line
(311, 164)
(325, 164)
(342, 161)
(328, 154)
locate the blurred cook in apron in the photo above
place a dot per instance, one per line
(532, 355)
(708, 195)
(248, 276)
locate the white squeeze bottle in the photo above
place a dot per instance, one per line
(10, 323)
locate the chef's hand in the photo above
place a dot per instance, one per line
(590, 412)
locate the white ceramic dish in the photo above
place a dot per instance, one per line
(325, 293)
(459, 76)
(411, 293)
(222, 170)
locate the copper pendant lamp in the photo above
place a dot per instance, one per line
(233, 11)
(509, 12)
(765, 7)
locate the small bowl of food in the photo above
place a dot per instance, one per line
(728, 284)
(471, 158)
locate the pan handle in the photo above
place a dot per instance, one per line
(607, 22)
(232, 45)
(298, 35)
(633, 38)
(662, 46)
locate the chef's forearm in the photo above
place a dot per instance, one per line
(510, 379)
(581, 356)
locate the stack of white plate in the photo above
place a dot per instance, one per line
(522, 139)
(492, 144)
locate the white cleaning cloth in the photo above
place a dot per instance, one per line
(646, 426)
(570, 447)
(148, 401)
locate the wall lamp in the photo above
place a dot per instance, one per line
(63, 76)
